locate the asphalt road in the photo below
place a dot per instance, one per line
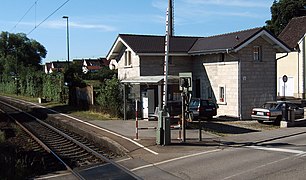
(282, 158)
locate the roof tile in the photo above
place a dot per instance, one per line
(223, 41)
(182, 44)
(156, 44)
(294, 31)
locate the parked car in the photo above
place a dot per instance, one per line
(202, 108)
(272, 111)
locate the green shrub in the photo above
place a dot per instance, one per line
(109, 97)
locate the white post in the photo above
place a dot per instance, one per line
(166, 71)
(136, 114)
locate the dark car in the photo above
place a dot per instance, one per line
(202, 109)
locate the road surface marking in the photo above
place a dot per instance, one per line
(255, 168)
(175, 159)
(122, 160)
(95, 126)
(53, 176)
(277, 149)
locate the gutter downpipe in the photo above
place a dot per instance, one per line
(239, 90)
(303, 61)
(298, 73)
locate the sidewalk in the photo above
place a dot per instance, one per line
(128, 128)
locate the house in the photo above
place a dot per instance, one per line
(55, 66)
(237, 70)
(93, 65)
(293, 64)
(87, 65)
(47, 67)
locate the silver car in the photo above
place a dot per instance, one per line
(272, 111)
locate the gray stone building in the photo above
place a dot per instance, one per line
(236, 70)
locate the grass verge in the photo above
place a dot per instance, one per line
(64, 108)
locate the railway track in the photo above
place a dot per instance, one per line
(76, 153)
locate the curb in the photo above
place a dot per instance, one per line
(298, 122)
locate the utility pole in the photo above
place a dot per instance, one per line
(171, 18)
(163, 131)
(66, 17)
(169, 33)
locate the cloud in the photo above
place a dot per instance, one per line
(61, 24)
(93, 26)
(235, 3)
(199, 11)
(161, 5)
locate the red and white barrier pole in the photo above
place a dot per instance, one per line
(136, 114)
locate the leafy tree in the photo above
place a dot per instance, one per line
(73, 76)
(110, 97)
(282, 12)
(18, 51)
(103, 74)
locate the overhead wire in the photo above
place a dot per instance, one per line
(35, 12)
(48, 16)
(34, 4)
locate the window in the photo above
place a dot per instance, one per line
(222, 94)
(127, 58)
(257, 53)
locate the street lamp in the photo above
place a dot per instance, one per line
(66, 17)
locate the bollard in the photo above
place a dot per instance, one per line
(136, 120)
(180, 130)
(285, 112)
(160, 131)
(200, 130)
(167, 131)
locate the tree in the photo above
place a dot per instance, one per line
(110, 97)
(18, 51)
(102, 74)
(282, 12)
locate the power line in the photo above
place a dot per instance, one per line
(48, 16)
(24, 15)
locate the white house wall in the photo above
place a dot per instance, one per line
(292, 65)
(224, 75)
(128, 71)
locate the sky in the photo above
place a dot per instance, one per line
(95, 24)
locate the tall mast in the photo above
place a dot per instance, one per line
(169, 33)
(171, 18)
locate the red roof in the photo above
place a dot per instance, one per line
(93, 67)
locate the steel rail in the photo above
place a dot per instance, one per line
(98, 155)
(44, 146)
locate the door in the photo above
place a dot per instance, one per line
(145, 107)
(286, 89)
(151, 101)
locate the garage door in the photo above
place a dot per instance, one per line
(289, 86)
